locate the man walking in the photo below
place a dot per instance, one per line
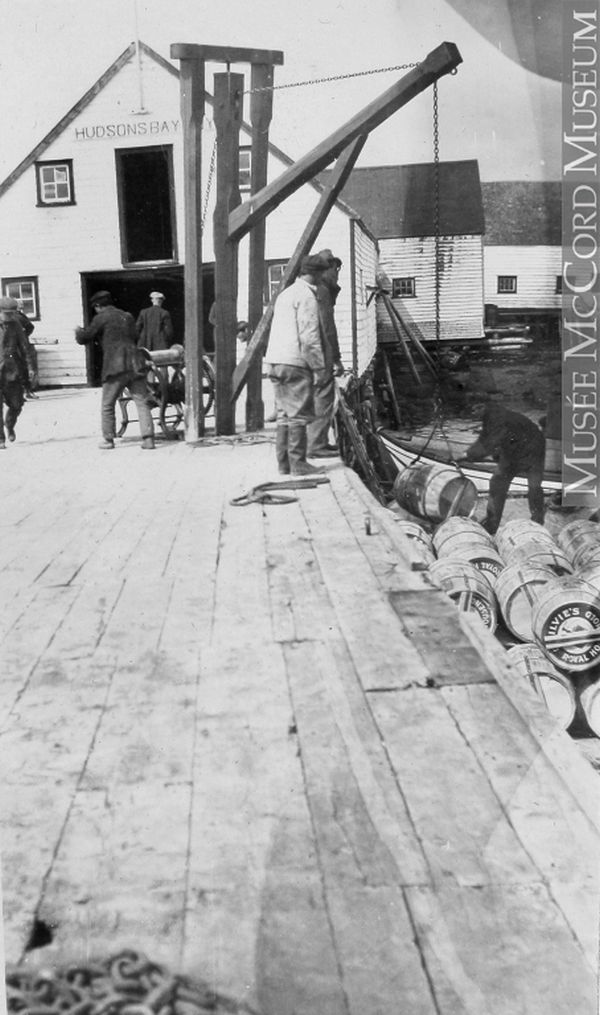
(154, 325)
(295, 355)
(16, 368)
(518, 446)
(324, 393)
(123, 366)
(28, 328)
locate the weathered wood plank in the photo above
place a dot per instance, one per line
(362, 865)
(501, 950)
(383, 655)
(548, 820)
(430, 620)
(463, 829)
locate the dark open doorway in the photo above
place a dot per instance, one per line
(130, 290)
(146, 203)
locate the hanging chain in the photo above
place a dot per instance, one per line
(436, 208)
(211, 173)
(335, 77)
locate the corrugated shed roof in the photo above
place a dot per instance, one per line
(397, 201)
(523, 213)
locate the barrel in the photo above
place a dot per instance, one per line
(582, 543)
(420, 539)
(555, 689)
(464, 584)
(168, 357)
(431, 491)
(537, 552)
(566, 624)
(519, 531)
(517, 590)
(459, 532)
(589, 701)
(486, 559)
(590, 572)
(572, 530)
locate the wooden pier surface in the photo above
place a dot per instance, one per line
(252, 743)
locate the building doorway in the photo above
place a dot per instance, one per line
(146, 204)
(130, 290)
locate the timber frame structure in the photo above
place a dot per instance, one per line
(232, 220)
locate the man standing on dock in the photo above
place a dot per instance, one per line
(327, 294)
(295, 355)
(518, 446)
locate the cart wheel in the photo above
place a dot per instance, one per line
(208, 385)
(123, 403)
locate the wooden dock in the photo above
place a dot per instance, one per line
(252, 743)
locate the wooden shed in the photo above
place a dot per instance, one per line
(523, 254)
(100, 205)
(398, 203)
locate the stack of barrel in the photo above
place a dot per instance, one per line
(545, 592)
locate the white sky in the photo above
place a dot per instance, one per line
(492, 110)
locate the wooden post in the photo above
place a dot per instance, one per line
(261, 111)
(229, 92)
(192, 114)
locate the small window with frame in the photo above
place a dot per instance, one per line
(275, 272)
(507, 283)
(54, 181)
(403, 288)
(245, 169)
(559, 285)
(26, 289)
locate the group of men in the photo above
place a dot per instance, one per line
(303, 358)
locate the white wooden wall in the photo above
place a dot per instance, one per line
(461, 284)
(58, 244)
(536, 269)
(365, 268)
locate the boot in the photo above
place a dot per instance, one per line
(281, 449)
(297, 451)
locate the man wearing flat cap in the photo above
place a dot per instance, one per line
(16, 368)
(123, 366)
(295, 355)
(327, 294)
(154, 325)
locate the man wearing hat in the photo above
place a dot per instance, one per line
(16, 368)
(123, 366)
(295, 355)
(154, 325)
(327, 294)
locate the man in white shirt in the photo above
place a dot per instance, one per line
(295, 355)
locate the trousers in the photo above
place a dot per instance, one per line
(13, 396)
(112, 388)
(324, 397)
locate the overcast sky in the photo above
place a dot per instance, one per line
(493, 109)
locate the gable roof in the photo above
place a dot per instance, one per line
(523, 213)
(399, 201)
(127, 55)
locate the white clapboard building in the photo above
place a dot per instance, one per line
(399, 205)
(523, 254)
(98, 204)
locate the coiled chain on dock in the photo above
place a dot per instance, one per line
(125, 984)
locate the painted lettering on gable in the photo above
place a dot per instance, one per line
(142, 128)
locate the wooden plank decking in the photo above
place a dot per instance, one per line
(254, 744)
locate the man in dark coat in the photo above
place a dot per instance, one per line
(324, 388)
(518, 446)
(28, 328)
(16, 367)
(154, 325)
(123, 366)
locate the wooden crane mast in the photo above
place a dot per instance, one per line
(232, 220)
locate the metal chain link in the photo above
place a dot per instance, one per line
(211, 173)
(436, 207)
(334, 77)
